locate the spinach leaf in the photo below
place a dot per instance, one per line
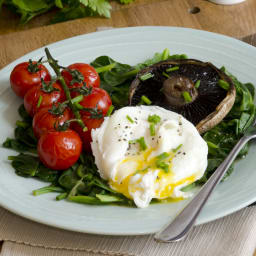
(223, 137)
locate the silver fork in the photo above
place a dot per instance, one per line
(180, 226)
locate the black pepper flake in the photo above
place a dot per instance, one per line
(184, 153)
(124, 139)
(180, 123)
(126, 127)
(153, 139)
(160, 137)
(179, 152)
(135, 118)
(130, 132)
(119, 139)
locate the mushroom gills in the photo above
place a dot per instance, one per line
(172, 85)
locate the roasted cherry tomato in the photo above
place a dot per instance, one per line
(27, 75)
(37, 98)
(86, 73)
(45, 121)
(98, 98)
(59, 150)
(86, 136)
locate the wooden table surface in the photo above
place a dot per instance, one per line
(238, 21)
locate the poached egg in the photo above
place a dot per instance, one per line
(147, 152)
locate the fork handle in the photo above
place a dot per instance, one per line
(179, 227)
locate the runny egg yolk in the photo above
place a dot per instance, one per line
(143, 163)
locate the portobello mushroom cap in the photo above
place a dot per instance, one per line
(171, 85)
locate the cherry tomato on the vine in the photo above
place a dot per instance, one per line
(45, 121)
(97, 98)
(86, 136)
(59, 150)
(37, 98)
(26, 75)
(74, 78)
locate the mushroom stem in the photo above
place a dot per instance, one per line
(179, 91)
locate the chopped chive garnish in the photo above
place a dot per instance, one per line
(197, 84)
(186, 97)
(62, 196)
(110, 110)
(39, 101)
(141, 142)
(176, 149)
(145, 99)
(78, 106)
(146, 76)
(154, 119)
(22, 124)
(165, 74)
(212, 145)
(130, 119)
(152, 129)
(163, 156)
(162, 165)
(223, 84)
(172, 69)
(165, 54)
(143, 170)
(77, 99)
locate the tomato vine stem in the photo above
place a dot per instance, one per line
(54, 64)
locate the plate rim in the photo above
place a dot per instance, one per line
(123, 30)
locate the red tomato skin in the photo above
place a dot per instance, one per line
(91, 77)
(98, 98)
(32, 96)
(59, 150)
(86, 136)
(44, 121)
(22, 80)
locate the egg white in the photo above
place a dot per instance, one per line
(134, 172)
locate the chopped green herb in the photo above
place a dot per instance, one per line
(77, 99)
(110, 110)
(154, 119)
(172, 69)
(22, 124)
(39, 101)
(130, 119)
(145, 99)
(162, 165)
(176, 149)
(186, 97)
(165, 74)
(143, 170)
(152, 129)
(212, 145)
(165, 54)
(223, 84)
(163, 156)
(108, 198)
(141, 142)
(61, 196)
(197, 84)
(146, 76)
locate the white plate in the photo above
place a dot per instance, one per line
(128, 45)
